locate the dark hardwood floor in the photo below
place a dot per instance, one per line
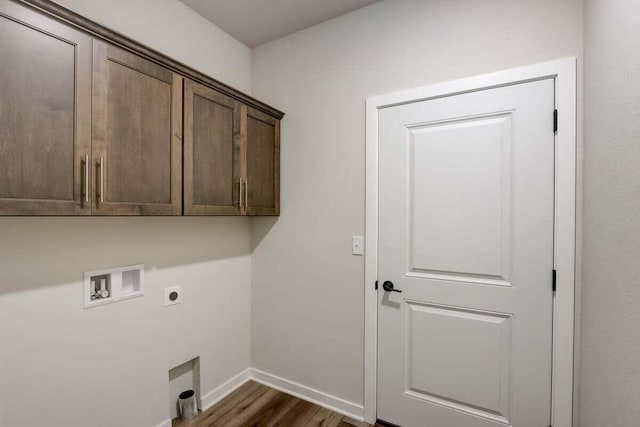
(256, 405)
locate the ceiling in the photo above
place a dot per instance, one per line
(255, 22)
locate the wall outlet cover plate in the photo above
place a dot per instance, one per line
(172, 295)
(357, 245)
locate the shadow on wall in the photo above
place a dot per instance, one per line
(37, 252)
(260, 227)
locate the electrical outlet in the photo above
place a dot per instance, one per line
(172, 295)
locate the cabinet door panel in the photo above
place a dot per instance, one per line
(212, 144)
(137, 129)
(139, 137)
(45, 95)
(262, 163)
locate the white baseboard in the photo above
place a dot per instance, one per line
(166, 423)
(225, 389)
(320, 398)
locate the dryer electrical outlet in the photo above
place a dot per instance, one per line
(172, 295)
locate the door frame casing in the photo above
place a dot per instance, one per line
(564, 71)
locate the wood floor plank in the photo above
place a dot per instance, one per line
(325, 418)
(272, 410)
(319, 417)
(300, 415)
(248, 408)
(283, 413)
(222, 407)
(212, 419)
(208, 417)
(334, 420)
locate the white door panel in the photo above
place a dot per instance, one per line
(459, 175)
(478, 379)
(466, 232)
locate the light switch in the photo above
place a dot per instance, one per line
(357, 244)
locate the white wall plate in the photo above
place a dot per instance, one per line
(172, 295)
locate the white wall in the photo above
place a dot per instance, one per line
(609, 386)
(307, 290)
(63, 366)
(171, 27)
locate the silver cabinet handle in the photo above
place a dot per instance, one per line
(101, 179)
(246, 199)
(240, 194)
(85, 186)
(101, 183)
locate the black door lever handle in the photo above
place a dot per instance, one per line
(388, 287)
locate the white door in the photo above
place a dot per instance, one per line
(466, 211)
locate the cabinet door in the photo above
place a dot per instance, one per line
(137, 135)
(212, 144)
(45, 114)
(262, 183)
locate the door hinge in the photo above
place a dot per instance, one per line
(555, 121)
(376, 285)
(553, 280)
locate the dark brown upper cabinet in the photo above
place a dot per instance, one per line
(212, 152)
(137, 135)
(262, 153)
(91, 123)
(231, 156)
(45, 115)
